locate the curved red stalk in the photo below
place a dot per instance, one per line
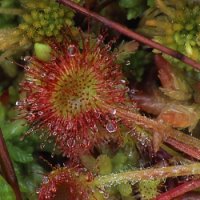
(124, 30)
(185, 143)
(180, 190)
(7, 168)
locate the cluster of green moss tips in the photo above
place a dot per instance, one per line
(149, 189)
(38, 20)
(45, 19)
(176, 25)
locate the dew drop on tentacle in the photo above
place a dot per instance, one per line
(42, 146)
(123, 81)
(41, 90)
(71, 142)
(40, 113)
(94, 128)
(51, 76)
(113, 112)
(71, 50)
(26, 58)
(54, 133)
(27, 68)
(19, 103)
(128, 62)
(45, 180)
(43, 75)
(108, 47)
(100, 39)
(31, 116)
(111, 127)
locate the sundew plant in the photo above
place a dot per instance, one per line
(99, 99)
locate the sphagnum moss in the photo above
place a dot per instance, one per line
(176, 25)
(38, 20)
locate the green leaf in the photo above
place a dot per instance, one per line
(6, 192)
(129, 3)
(151, 3)
(2, 113)
(19, 155)
(14, 129)
(134, 12)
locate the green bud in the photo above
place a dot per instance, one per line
(189, 27)
(104, 165)
(24, 27)
(177, 27)
(119, 159)
(27, 18)
(34, 14)
(42, 51)
(89, 162)
(178, 39)
(188, 48)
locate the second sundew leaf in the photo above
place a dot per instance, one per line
(6, 192)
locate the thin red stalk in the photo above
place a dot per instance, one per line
(175, 138)
(184, 147)
(124, 30)
(180, 190)
(7, 168)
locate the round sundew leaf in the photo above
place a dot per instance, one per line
(64, 96)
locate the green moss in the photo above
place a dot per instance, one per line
(125, 189)
(104, 165)
(45, 19)
(6, 192)
(148, 189)
(177, 26)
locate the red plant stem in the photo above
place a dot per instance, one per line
(7, 168)
(183, 147)
(124, 30)
(180, 190)
(185, 143)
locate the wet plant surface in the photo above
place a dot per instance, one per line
(99, 99)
